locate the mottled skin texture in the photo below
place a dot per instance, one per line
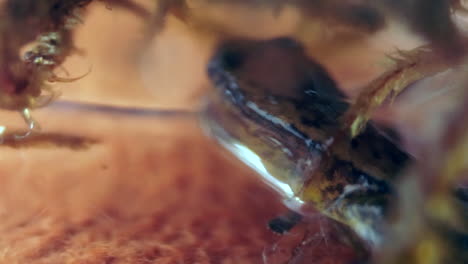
(286, 109)
(280, 95)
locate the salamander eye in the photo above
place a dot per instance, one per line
(232, 59)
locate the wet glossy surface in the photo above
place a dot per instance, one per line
(279, 112)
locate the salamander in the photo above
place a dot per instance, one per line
(278, 110)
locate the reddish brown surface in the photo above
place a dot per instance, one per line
(139, 189)
(318, 240)
(149, 190)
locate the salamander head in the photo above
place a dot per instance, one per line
(273, 108)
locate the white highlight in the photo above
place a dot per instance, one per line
(255, 162)
(275, 120)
